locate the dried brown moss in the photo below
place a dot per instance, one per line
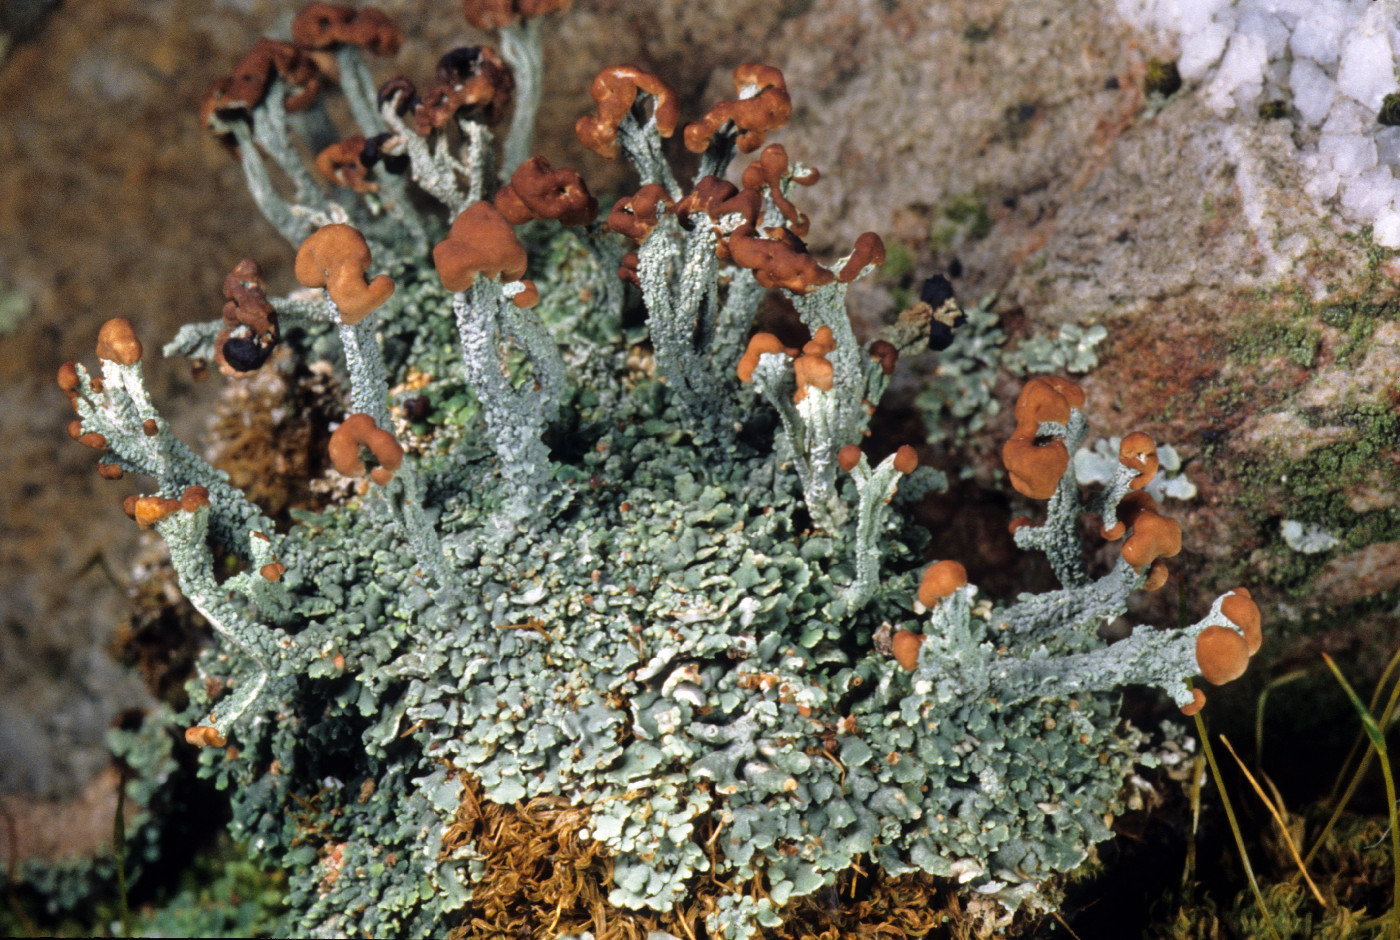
(543, 880)
(272, 428)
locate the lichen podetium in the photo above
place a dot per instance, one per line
(619, 578)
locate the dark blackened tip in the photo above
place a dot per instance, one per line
(458, 65)
(936, 291)
(245, 355)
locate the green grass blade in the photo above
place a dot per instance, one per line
(1373, 731)
(1234, 825)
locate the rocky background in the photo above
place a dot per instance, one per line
(1035, 150)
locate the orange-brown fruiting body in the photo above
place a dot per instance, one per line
(869, 249)
(906, 645)
(336, 257)
(528, 297)
(759, 344)
(273, 571)
(848, 457)
(627, 269)
(635, 216)
(762, 104)
(477, 86)
(1239, 608)
(204, 736)
(1139, 453)
(359, 430)
(822, 342)
(887, 355)
(537, 191)
(940, 580)
(480, 241)
(1035, 469)
(1071, 392)
(148, 510)
(117, 342)
(238, 93)
(812, 372)
(718, 198)
(1041, 401)
(615, 90)
(246, 294)
(1198, 701)
(68, 382)
(340, 163)
(1222, 654)
(906, 459)
(768, 170)
(327, 25)
(778, 259)
(91, 439)
(1154, 536)
(498, 14)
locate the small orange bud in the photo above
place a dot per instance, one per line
(940, 580)
(1198, 701)
(906, 646)
(906, 459)
(117, 342)
(204, 736)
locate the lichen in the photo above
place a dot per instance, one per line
(609, 557)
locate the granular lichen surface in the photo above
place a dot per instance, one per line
(606, 547)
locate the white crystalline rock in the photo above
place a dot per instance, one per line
(1347, 117)
(1387, 230)
(1333, 61)
(1313, 91)
(1318, 37)
(1240, 77)
(1268, 28)
(1367, 72)
(1350, 154)
(1208, 43)
(1371, 194)
(1388, 146)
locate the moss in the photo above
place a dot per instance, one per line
(899, 260)
(1355, 308)
(1316, 489)
(962, 218)
(1162, 78)
(1389, 114)
(967, 209)
(223, 894)
(1359, 321)
(1351, 868)
(1298, 344)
